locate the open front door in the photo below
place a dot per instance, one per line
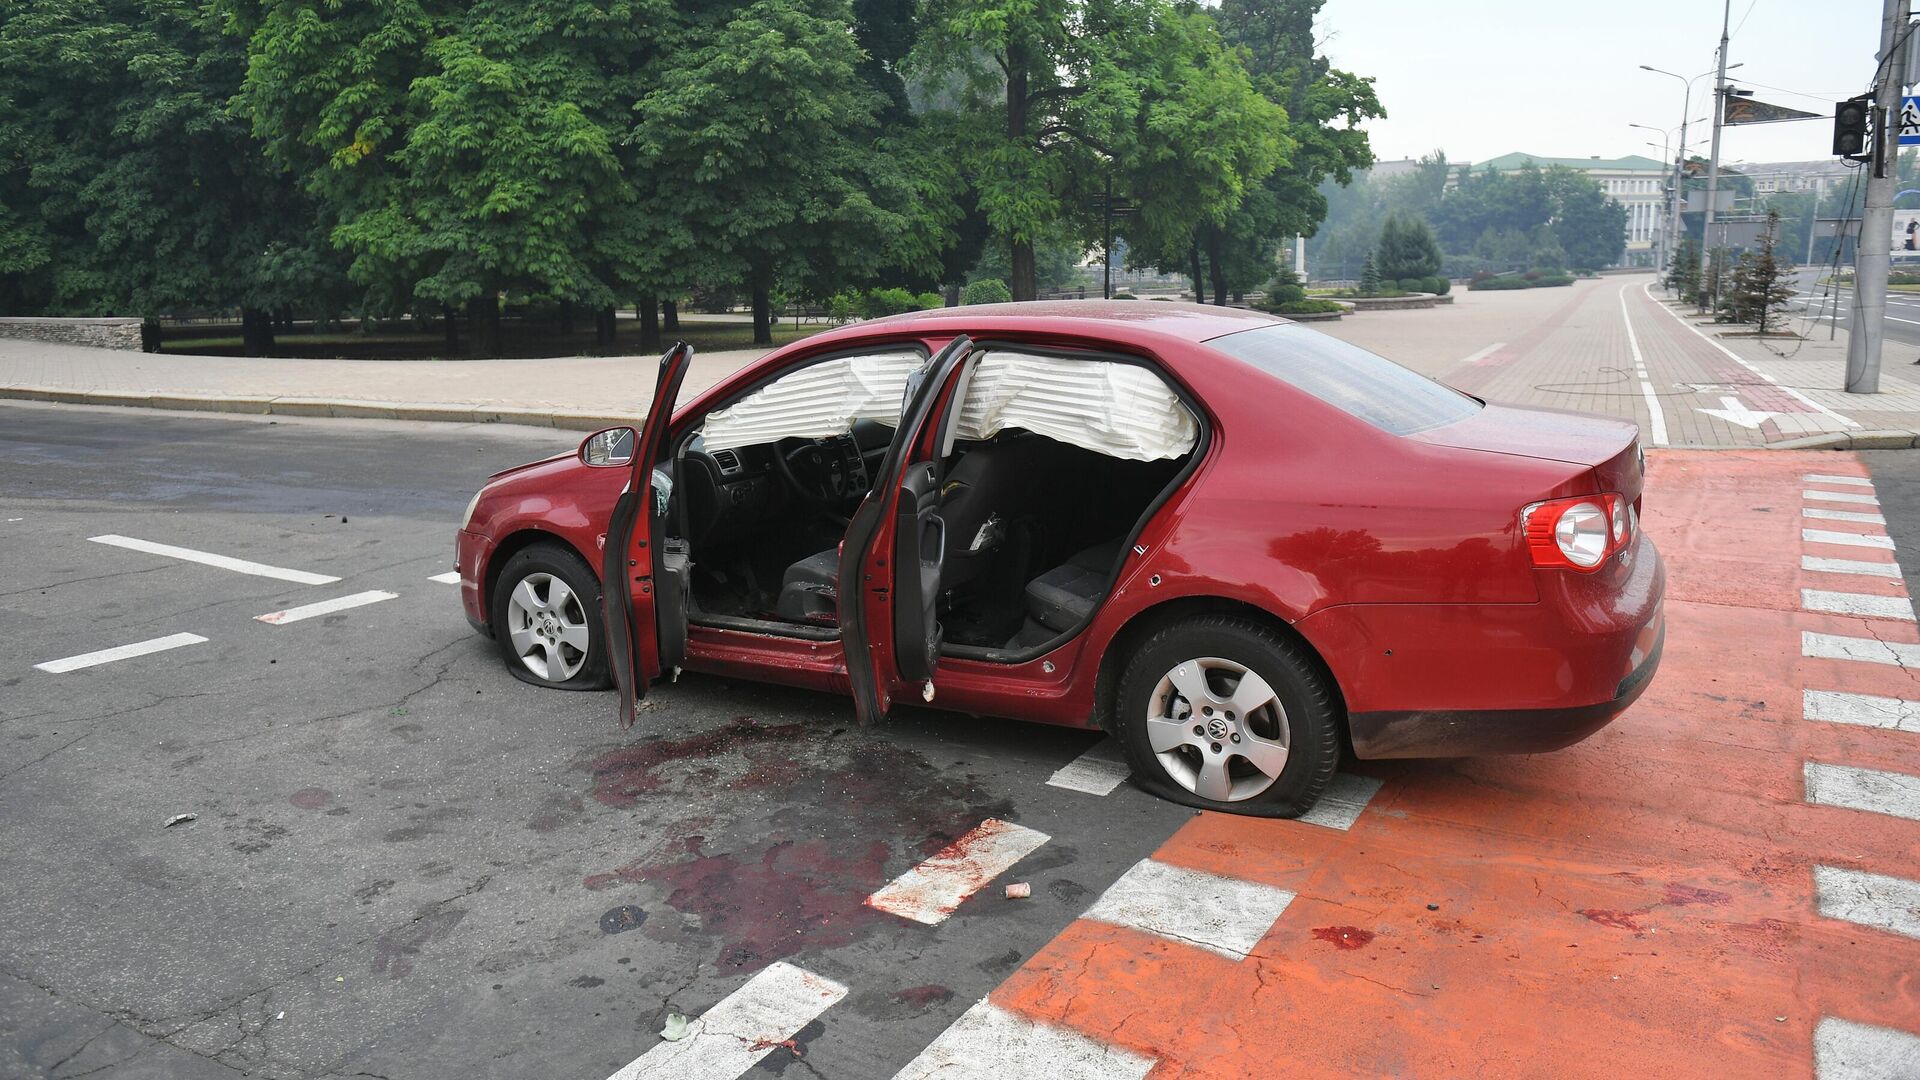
(891, 562)
(643, 573)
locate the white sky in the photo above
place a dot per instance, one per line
(1561, 78)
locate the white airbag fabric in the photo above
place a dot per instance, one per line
(1121, 410)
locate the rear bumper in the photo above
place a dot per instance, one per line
(1449, 680)
(1469, 733)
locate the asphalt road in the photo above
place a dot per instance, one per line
(404, 861)
(1820, 304)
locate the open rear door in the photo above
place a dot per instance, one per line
(891, 630)
(643, 573)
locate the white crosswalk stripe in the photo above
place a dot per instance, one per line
(223, 562)
(1861, 710)
(1867, 650)
(119, 652)
(1831, 478)
(1890, 793)
(1096, 772)
(931, 891)
(741, 1028)
(1877, 900)
(1840, 497)
(1847, 539)
(324, 607)
(1845, 1050)
(991, 1043)
(1849, 566)
(1863, 604)
(1860, 517)
(1223, 915)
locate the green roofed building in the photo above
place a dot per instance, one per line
(1638, 183)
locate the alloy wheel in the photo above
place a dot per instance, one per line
(1218, 729)
(547, 625)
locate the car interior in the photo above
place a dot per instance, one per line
(1036, 526)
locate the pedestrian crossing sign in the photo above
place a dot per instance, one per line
(1909, 121)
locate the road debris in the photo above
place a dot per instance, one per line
(675, 1028)
(1019, 890)
(180, 818)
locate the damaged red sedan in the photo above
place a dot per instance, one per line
(1230, 541)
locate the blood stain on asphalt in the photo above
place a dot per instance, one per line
(924, 997)
(1682, 895)
(311, 798)
(622, 776)
(395, 950)
(1619, 920)
(1343, 937)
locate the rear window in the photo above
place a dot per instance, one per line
(1349, 378)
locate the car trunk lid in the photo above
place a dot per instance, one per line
(1607, 447)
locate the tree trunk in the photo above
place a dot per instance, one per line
(566, 318)
(483, 324)
(451, 328)
(1199, 283)
(606, 332)
(649, 312)
(762, 309)
(1021, 257)
(1216, 267)
(953, 294)
(670, 315)
(256, 332)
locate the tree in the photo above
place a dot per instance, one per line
(1707, 295)
(127, 186)
(461, 150)
(1759, 287)
(1052, 99)
(1407, 249)
(1683, 272)
(1369, 277)
(1589, 226)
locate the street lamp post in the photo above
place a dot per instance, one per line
(1680, 159)
(1662, 251)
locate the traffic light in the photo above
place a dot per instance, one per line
(1850, 128)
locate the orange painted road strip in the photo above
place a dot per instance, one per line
(1642, 904)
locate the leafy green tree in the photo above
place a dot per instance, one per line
(127, 186)
(1683, 272)
(462, 150)
(1053, 99)
(1407, 249)
(1760, 287)
(1590, 227)
(1324, 107)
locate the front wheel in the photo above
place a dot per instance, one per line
(1226, 714)
(546, 619)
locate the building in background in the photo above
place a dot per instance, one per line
(1774, 177)
(1638, 183)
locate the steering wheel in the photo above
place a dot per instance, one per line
(816, 469)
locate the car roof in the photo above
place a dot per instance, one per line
(1098, 318)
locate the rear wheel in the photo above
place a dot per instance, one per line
(546, 619)
(1228, 715)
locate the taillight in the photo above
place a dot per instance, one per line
(1577, 534)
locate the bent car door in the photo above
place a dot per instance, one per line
(895, 549)
(643, 573)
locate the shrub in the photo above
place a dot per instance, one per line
(1124, 296)
(1302, 307)
(1286, 288)
(883, 302)
(1412, 284)
(1489, 283)
(986, 291)
(845, 306)
(1438, 286)
(930, 300)
(1548, 280)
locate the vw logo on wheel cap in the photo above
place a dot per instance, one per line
(1217, 729)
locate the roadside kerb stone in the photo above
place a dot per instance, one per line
(326, 408)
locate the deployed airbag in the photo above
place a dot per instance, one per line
(1121, 410)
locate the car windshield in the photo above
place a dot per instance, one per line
(1349, 378)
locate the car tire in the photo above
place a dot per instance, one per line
(546, 604)
(1193, 736)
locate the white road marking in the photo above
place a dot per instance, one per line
(1340, 805)
(1223, 915)
(1844, 1050)
(1821, 513)
(324, 607)
(1847, 539)
(451, 577)
(741, 1028)
(1656, 418)
(1868, 650)
(930, 892)
(1863, 604)
(1840, 497)
(1861, 710)
(1849, 566)
(1735, 357)
(1735, 411)
(1834, 478)
(1096, 772)
(238, 566)
(120, 652)
(991, 1043)
(1886, 903)
(1890, 793)
(1484, 353)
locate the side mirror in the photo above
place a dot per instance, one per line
(610, 448)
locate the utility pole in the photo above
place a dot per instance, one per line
(1871, 251)
(1713, 156)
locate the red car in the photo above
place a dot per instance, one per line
(1230, 541)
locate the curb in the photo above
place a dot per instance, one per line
(432, 412)
(1892, 439)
